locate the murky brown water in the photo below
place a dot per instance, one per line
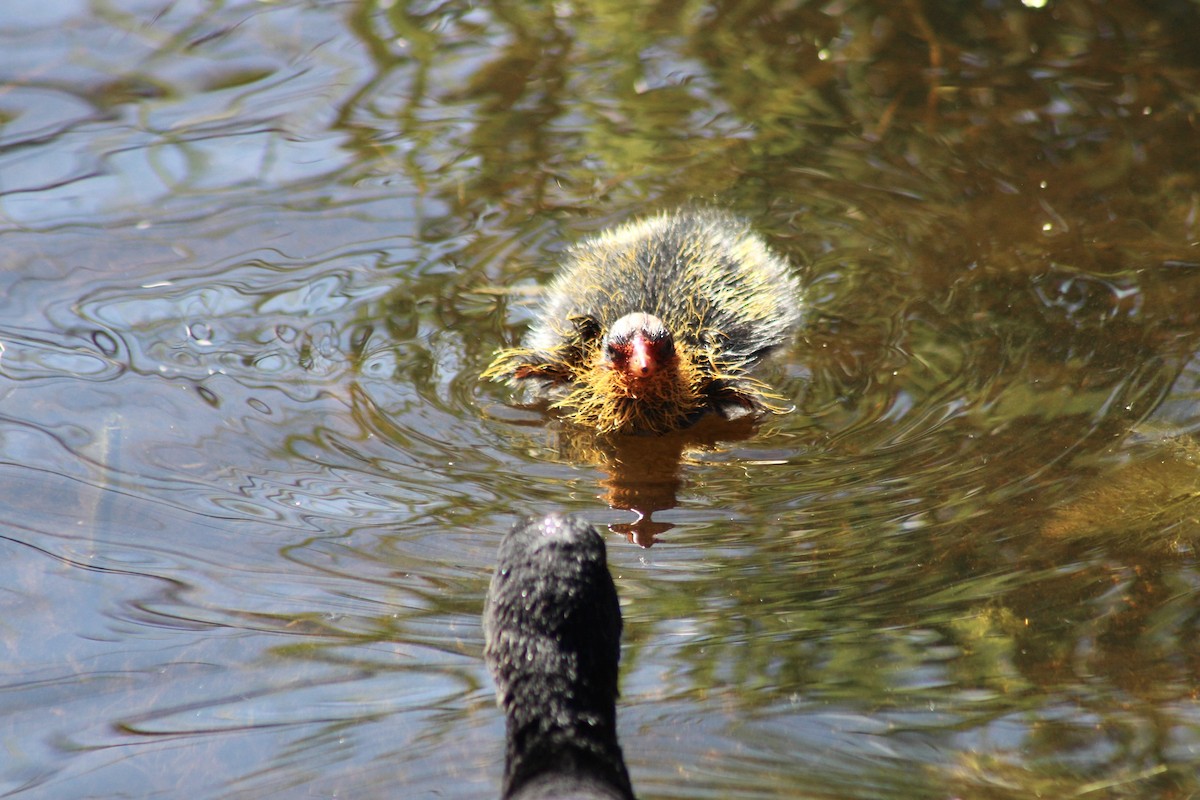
(255, 256)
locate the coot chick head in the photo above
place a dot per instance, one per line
(637, 381)
(552, 625)
(639, 346)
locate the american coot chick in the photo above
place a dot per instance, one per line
(552, 626)
(655, 323)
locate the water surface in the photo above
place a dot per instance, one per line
(257, 254)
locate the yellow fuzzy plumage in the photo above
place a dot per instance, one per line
(719, 292)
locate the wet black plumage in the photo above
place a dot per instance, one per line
(552, 626)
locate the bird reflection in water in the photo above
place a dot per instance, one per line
(644, 474)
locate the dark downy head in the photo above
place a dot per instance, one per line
(639, 346)
(552, 626)
(636, 380)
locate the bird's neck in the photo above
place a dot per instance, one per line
(562, 727)
(610, 401)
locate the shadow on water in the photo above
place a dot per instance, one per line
(256, 257)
